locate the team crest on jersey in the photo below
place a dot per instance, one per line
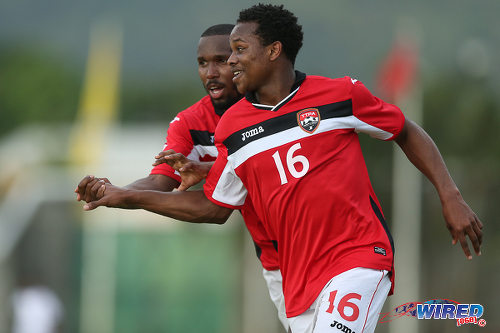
(308, 119)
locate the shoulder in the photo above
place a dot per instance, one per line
(346, 81)
(200, 116)
(344, 88)
(342, 85)
(236, 108)
(235, 118)
(321, 90)
(235, 113)
(201, 109)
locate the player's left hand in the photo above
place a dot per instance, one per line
(461, 221)
(87, 188)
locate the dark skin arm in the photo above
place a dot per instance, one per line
(155, 183)
(89, 185)
(146, 193)
(190, 206)
(192, 173)
(461, 221)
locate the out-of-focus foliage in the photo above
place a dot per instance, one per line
(462, 114)
(35, 88)
(195, 286)
(157, 103)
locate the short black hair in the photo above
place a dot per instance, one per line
(275, 24)
(218, 30)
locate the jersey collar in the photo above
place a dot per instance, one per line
(299, 78)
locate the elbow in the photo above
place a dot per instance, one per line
(219, 220)
(196, 208)
(402, 138)
(213, 215)
(209, 219)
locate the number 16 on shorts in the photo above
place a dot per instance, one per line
(346, 307)
(352, 301)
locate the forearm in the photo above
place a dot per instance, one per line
(190, 206)
(461, 221)
(155, 182)
(424, 154)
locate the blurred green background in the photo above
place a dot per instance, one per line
(135, 272)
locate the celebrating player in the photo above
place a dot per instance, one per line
(290, 148)
(191, 133)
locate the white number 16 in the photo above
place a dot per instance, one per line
(290, 163)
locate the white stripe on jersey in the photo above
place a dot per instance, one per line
(374, 132)
(205, 150)
(230, 189)
(295, 133)
(198, 151)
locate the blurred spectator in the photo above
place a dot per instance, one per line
(36, 309)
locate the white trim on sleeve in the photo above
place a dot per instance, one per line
(374, 132)
(230, 189)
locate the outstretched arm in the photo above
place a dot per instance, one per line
(461, 221)
(87, 189)
(190, 206)
(155, 182)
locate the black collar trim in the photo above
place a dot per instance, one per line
(299, 78)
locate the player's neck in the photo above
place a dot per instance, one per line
(277, 87)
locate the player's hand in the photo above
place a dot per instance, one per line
(170, 157)
(88, 187)
(192, 172)
(461, 221)
(109, 196)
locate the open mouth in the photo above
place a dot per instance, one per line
(215, 91)
(236, 74)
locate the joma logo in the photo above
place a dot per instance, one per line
(341, 327)
(252, 132)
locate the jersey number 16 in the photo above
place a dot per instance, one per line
(291, 162)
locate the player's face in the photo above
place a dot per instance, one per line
(249, 60)
(214, 71)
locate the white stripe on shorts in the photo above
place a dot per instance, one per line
(274, 283)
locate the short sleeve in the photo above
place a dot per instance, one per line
(178, 139)
(223, 186)
(375, 117)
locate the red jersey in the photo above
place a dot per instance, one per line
(191, 133)
(265, 246)
(301, 165)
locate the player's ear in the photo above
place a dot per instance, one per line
(274, 50)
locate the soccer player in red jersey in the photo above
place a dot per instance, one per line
(291, 147)
(191, 133)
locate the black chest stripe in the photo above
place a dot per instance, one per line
(203, 138)
(282, 123)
